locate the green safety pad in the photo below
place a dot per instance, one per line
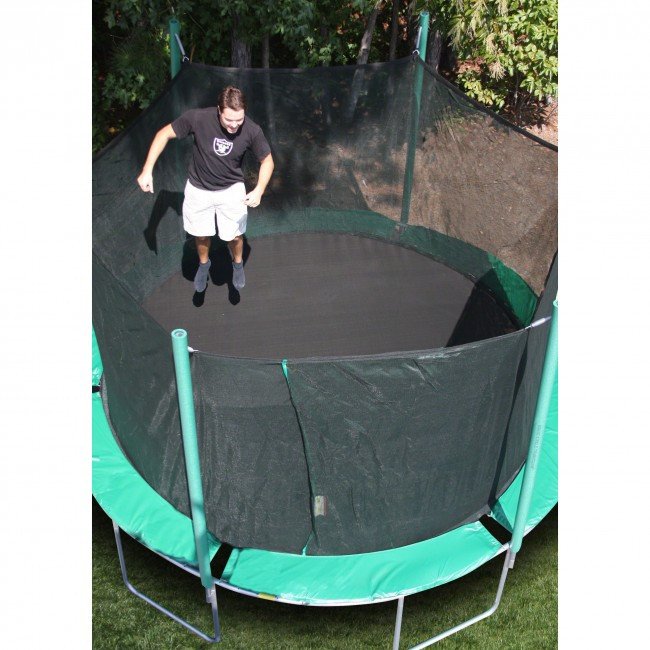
(136, 507)
(545, 491)
(354, 579)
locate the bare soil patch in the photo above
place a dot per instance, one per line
(545, 126)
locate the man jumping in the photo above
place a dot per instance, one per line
(215, 182)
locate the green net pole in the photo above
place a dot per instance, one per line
(415, 118)
(191, 449)
(174, 50)
(549, 372)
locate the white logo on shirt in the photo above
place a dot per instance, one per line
(222, 147)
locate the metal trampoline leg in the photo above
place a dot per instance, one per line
(398, 622)
(507, 564)
(210, 597)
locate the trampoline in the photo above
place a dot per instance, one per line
(355, 424)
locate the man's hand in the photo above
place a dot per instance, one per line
(145, 181)
(253, 198)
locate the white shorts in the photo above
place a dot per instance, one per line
(200, 206)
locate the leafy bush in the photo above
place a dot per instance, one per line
(130, 62)
(138, 70)
(507, 48)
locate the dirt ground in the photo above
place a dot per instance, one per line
(492, 187)
(548, 130)
(542, 123)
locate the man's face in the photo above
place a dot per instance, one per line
(231, 120)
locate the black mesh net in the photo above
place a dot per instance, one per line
(478, 179)
(335, 455)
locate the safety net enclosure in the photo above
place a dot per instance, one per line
(369, 396)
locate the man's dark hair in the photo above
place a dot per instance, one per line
(233, 98)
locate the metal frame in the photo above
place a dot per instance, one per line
(210, 595)
(419, 52)
(507, 564)
(549, 371)
(183, 373)
(211, 599)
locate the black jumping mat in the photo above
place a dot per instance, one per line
(325, 294)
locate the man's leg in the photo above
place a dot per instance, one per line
(202, 274)
(231, 217)
(203, 248)
(237, 249)
(198, 221)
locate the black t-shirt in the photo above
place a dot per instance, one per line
(217, 155)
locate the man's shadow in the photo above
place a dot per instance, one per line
(165, 200)
(220, 269)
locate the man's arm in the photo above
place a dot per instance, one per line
(145, 180)
(254, 197)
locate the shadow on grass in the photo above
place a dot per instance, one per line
(527, 617)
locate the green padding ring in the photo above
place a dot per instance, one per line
(357, 579)
(136, 507)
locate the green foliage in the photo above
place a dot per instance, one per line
(138, 69)
(127, 14)
(130, 61)
(100, 123)
(508, 48)
(333, 33)
(311, 32)
(131, 52)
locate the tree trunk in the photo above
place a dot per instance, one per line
(364, 51)
(412, 25)
(434, 49)
(268, 95)
(240, 53)
(325, 97)
(394, 29)
(266, 51)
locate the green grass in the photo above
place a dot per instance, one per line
(526, 618)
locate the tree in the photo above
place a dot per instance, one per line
(394, 29)
(366, 39)
(240, 56)
(507, 49)
(130, 62)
